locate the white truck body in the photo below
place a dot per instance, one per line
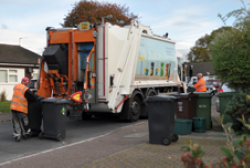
(109, 69)
(137, 59)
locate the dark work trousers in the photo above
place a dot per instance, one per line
(20, 124)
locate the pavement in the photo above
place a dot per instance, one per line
(4, 117)
(125, 147)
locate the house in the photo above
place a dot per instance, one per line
(205, 68)
(16, 62)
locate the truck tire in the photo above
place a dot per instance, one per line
(132, 107)
(86, 116)
(135, 109)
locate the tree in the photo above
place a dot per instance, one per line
(231, 52)
(201, 51)
(93, 11)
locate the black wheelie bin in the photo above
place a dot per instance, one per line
(54, 118)
(161, 111)
(35, 116)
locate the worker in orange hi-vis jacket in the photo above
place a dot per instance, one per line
(19, 109)
(201, 84)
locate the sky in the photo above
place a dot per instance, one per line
(23, 22)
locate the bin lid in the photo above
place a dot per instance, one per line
(55, 101)
(186, 95)
(204, 94)
(225, 94)
(40, 98)
(161, 98)
(50, 100)
(179, 120)
(199, 118)
(63, 101)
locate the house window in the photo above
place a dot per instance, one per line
(3, 76)
(35, 76)
(13, 76)
(8, 76)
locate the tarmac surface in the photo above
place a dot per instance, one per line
(127, 146)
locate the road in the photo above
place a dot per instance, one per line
(213, 100)
(76, 131)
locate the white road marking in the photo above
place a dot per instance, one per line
(69, 145)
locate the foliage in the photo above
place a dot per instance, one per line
(241, 15)
(3, 96)
(192, 155)
(93, 11)
(231, 52)
(201, 51)
(237, 153)
(239, 106)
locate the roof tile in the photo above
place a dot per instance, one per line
(17, 54)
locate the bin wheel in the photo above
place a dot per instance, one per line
(59, 138)
(175, 138)
(166, 141)
(41, 135)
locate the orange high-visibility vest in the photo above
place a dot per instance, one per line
(200, 85)
(19, 102)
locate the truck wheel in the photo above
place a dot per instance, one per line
(152, 93)
(86, 116)
(135, 109)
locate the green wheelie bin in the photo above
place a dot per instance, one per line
(203, 107)
(224, 98)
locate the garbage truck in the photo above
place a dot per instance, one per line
(105, 68)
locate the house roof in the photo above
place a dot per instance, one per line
(17, 55)
(201, 67)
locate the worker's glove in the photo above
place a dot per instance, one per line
(191, 89)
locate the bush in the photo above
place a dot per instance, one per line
(3, 96)
(239, 106)
(191, 155)
(236, 153)
(231, 58)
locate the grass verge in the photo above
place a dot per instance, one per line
(5, 107)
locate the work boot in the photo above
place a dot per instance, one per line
(17, 138)
(27, 135)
